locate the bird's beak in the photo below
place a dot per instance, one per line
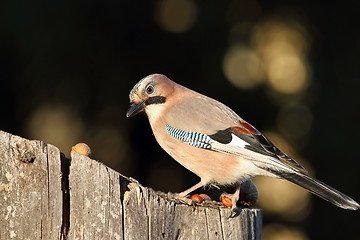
(135, 108)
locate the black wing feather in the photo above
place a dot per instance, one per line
(257, 143)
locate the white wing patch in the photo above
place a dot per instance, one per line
(235, 147)
(236, 141)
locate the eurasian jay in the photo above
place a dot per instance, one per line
(212, 141)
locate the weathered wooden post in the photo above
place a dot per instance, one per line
(43, 195)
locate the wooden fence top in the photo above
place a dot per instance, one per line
(44, 195)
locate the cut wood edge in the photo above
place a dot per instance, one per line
(89, 200)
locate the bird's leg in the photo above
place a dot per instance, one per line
(193, 188)
(234, 198)
(182, 195)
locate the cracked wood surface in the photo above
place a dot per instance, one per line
(45, 196)
(30, 189)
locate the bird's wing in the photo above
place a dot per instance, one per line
(204, 122)
(244, 141)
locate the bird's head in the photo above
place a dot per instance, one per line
(152, 90)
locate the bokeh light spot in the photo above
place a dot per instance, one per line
(272, 35)
(281, 232)
(242, 67)
(283, 48)
(282, 197)
(287, 74)
(58, 125)
(175, 16)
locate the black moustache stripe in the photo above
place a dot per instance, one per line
(155, 100)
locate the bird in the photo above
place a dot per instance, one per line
(212, 141)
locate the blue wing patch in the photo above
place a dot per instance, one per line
(194, 139)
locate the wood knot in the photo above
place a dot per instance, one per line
(24, 152)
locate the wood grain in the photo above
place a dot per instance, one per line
(43, 195)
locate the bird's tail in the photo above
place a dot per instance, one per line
(318, 188)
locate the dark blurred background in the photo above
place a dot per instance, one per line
(291, 68)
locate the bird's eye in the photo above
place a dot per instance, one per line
(150, 89)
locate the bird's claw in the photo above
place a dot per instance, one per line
(186, 200)
(235, 212)
(230, 200)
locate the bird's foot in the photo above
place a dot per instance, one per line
(230, 200)
(185, 200)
